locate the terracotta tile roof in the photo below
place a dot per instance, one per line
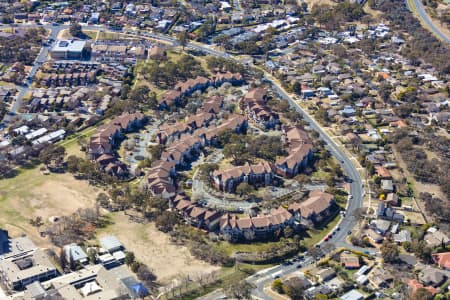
(282, 213)
(414, 285)
(350, 260)
(317, 202)
(256, 94)
(383, 172)
(244, 223)
(199, 120)
(170, 97)
(247, 169)
(213, 105)
(442, 259)
(261, 222)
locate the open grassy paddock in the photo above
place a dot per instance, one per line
(31, 194)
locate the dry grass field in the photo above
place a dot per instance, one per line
(154, 248)
(32, 194)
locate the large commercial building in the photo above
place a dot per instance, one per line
(69, 49)
(91, 282)
(24, 264)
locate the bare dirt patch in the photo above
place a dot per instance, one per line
(154, 248)
(32, 194)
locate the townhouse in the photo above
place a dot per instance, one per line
(73, 79)
(195, 215)
(299, 149)
(160, 179)
(200, 83)
(254, 105)
(255, 227)
(213, 105)
(257, 174)
(315, 209)
(102, 143)
(118, 51)
(183, 144)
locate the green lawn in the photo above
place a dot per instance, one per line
(310, 238)
(316, 236)
(230, 248)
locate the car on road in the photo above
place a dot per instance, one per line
(287, 263)
(349, 232)
(299, 266)
(277, 274)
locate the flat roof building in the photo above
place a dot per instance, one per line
(69, 49)
(25, 264)
(110, 243)
(92, 282)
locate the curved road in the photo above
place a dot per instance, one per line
(422, 14)
(346, 224)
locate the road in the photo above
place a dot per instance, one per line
(356, 189)
(425, 18)
(41, 58)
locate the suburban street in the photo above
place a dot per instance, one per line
(41, 58)
(425, 18)
(356, 188)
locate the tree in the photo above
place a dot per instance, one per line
(155, 151)
(315, 252)
(297, 88)
(166, 221)
(294, 289)
(129, 258)
(183, 38)
(244, 188)
(239, 290)
(145, 274)
(389, 252)
(207, 168)
(102, 199)
(37, 222)
(52, 153)
(278, 286)
(139, 94)
(75, 30)
(135, 266)
(73, 163)
(422, 294)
